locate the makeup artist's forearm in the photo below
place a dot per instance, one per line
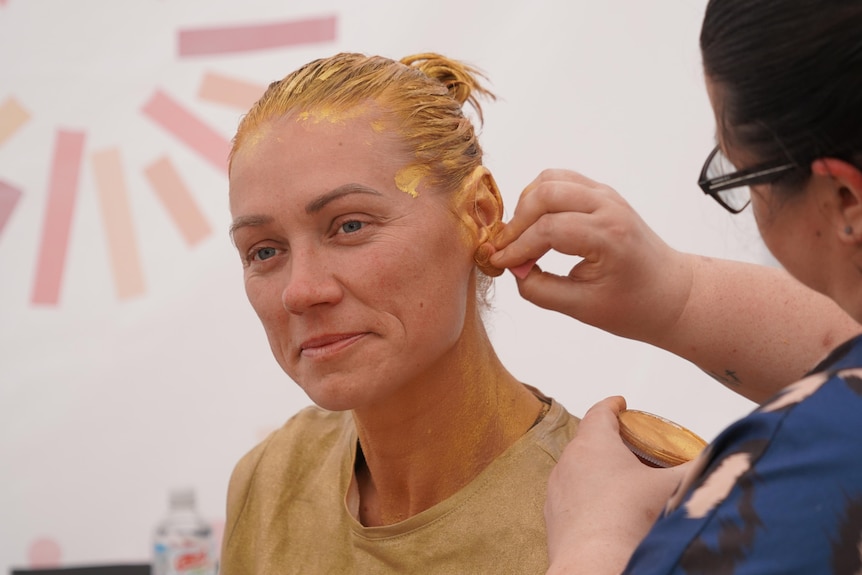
(598, 559)
(755, 328)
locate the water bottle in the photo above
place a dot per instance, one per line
(183, 542)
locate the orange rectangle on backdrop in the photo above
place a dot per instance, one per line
(229, 91)
(175, 196)
(12, 117)
(118, 224)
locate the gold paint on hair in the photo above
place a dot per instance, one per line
(320, 114)
(333, 115)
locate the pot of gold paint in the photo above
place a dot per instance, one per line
(657, 441)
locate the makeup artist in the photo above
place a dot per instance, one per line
(779, 491)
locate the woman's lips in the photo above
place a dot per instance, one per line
(328, 344)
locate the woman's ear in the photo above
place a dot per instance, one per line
(482, 207)
(488, 207)
(847, 180)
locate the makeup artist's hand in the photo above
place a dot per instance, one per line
(630, 282)
(601, 499)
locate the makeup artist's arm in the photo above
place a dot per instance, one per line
(754, 328)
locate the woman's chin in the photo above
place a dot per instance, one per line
(335, 397)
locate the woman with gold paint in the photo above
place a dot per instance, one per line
(359, 203)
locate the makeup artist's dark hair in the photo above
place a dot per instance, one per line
(788, 74)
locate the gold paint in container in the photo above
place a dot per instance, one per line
(657, 441)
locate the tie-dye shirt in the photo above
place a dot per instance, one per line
(779, 491)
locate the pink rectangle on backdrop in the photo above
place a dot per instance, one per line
(176, 198)
(62, 193)
(223, 90)
(12, 117)
(118, 223)
(9, 196)
(186, 127)
(232, 39)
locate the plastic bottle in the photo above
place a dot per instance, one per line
(183, 542)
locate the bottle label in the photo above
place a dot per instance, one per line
(187, 558)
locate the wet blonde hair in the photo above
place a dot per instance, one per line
(423, 94)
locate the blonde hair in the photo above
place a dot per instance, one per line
(423, 94)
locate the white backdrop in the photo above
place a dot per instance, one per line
(130, 360)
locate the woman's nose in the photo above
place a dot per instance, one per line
(310, 283)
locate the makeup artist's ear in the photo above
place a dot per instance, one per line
(847, 181)
(481, 210)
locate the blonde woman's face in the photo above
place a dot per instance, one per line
(362, 287)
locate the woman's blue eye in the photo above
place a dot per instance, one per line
(264, 253)
(351, 226)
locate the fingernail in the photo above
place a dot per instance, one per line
(523, 270)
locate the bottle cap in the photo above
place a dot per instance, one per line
(657, 441)
(182, 498)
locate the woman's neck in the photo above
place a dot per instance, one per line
(422, 449)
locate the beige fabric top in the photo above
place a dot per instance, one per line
(287, 510)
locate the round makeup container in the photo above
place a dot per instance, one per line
(656, 441)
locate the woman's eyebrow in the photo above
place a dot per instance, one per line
(312, 207)
(245, 221)
(317, 204)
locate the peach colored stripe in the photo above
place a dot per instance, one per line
(117, 219)
(12, 116)
(176, 198)
(232, 39)
(229, 91)
(62, 192)
(9, 196)
(171, 116)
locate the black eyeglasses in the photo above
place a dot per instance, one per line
(729, 186)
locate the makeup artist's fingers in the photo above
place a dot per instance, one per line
(561, 211)
(554, 292)
(563, 217)
(560, 175)
(568, 232)
(604, 416)
(553, 191)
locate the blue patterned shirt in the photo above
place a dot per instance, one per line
(779, 491)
